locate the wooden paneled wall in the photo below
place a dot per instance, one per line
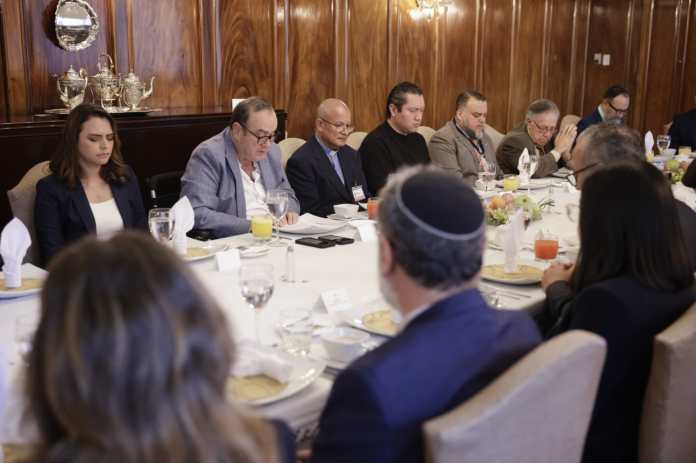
(298, 52)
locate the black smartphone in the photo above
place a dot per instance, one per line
(314, 242)
(335, 239)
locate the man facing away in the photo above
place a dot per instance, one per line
(613, 108)
(227, 177)
(461, 146)
(395, 142)
(451, 344)
(325, 171)
(536, 134)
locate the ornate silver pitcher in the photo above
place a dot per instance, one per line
(71, 87)
(105, 84)
(134, 90)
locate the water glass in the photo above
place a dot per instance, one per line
(277, 202)
(256, 285)
(663, 143)
(161, 222)
(487, 174)
(296, 327)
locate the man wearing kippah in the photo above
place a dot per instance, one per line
(451, 344)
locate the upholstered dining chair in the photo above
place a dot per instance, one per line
(496, 136)
(669, 407)
(355, 139)
(427, 132)
(570, 119)
(287, 147)
(536, 411)
(22, 198)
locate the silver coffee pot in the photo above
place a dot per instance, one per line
(105, 84)
(134, 91)
(71, 87)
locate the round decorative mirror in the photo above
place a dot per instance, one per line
(76, 24)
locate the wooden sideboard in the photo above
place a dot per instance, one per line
(151, 144)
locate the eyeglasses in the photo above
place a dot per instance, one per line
(339, 127)
(261, 139)
(617, 110)
(549, 130)
(573, 176)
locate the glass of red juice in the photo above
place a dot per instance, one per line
(545, 246)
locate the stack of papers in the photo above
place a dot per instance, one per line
(309, 224)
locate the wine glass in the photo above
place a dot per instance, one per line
(256, 285)
(663, 143)
(487, 173)
(161, 222)
(533, 164)
(277, 201)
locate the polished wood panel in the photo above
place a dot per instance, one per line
(298, 52)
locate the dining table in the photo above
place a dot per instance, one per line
(350, 270)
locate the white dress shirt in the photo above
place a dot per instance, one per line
(107, 218)
(254, 193)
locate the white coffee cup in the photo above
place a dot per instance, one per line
(346, 210)
(344, 344)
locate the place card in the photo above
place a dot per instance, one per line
(366, 232)
(228, 261)
(334, 301)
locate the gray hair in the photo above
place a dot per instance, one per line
(243, 110)
(541, 106)
(432, 261)
(609, 142)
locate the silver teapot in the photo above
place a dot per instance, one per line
(105, 84)
(71, 87)
(134, 91)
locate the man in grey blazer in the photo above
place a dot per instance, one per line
(228, 175)
(461, 146)
(536, 134)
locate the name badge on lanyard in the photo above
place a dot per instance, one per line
(358, 193)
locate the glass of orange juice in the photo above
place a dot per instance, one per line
(545, 246)
(262, 227)
(372, 208)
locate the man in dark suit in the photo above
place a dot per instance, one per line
(325, 171)
(451, 344)
(613, 108)
(536, 134)
(683, 130)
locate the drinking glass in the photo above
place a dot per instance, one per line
(663, 143)
(256, 285)
(296, 331)
(533, 164)
(372, 208)
(161, 222)
(277, 201)
(545, 246)
(487, 174)
(262, 228)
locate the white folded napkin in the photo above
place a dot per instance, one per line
(14, 242)
(524, 174)
(649, 142)
(182, 213)
(512, 236)
(253, 359)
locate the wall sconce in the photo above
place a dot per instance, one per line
(428, 9)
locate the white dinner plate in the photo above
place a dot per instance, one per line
(522, 280)
(304, 371)
(357, 216)
(354, 318)
(249, 252)
(209, 249)
(28, 271)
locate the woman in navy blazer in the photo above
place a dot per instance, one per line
(87, 172)
(633, 278)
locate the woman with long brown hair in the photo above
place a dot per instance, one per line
(90, 188)
(130, 361)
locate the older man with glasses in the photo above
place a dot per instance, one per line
(228, 175)
(325, 170)
(536, 134)
(613, 108)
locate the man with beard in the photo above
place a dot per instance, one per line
(613, 108)
(461, 146)
(450, 344)
(325, 170)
